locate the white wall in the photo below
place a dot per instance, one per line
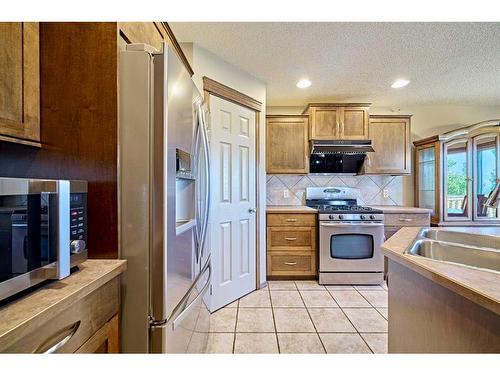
(427, 120)
(205, 63)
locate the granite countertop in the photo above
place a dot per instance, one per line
(402, 209)
(53, 298)
(290, 209)
(481, 287)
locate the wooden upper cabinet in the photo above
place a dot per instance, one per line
(334, 121)
(390, 136)
(287, 149)
(20, 82)
(325, 123)
(153, 34)
(355, 122)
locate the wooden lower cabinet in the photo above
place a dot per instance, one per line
(105, 340)
(89, 325)
(291, 250)
(395, 221)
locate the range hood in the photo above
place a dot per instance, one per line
(339, 157)
(342, 146)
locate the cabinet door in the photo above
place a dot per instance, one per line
(427, 179)
(391, 142)
(287, 150)
(457, 180)
(19, 82)
(486, 175)
(325, 123)
(354, 124)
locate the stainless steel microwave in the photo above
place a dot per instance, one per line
(43, 231)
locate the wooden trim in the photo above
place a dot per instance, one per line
(392, 116)
(175, 44)
(424, 141)
(20, 141)
(230, 94)
(286, 116)
(335, 105)
(257, 200)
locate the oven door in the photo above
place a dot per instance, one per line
(351, 247)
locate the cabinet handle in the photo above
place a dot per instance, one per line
(290, 263)
(291, 220)
(48, 347)
(402, 219)
(290, 238)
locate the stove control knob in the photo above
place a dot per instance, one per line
(341, 217)
(331, 217)
(362, 217)
(372, 217)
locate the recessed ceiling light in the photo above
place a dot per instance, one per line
(303, 83)
(397, 84)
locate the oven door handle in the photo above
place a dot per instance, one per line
(352, 224)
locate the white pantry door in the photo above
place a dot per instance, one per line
(232, 212)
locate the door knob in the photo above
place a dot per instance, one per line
(252, 210)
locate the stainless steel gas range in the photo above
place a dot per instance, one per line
(350, 237)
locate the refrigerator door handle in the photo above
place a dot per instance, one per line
(180, 318)
(197, 226)
(207, 177)
(181, 311)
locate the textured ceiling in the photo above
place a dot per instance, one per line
(456, 63)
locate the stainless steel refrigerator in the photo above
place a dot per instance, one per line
(163, 204)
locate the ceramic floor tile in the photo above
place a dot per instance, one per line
(233, 304)
(376, 341)
(339, 287)
(255, 320)
(366, 320)
(258, 298)
(384, 312)
(317, 298)
(297, 343)
(220, 343)
(368, 287)
(331, 320)
(255, 343)
(309, 285)
(292, 320)
(223, 320)
(349, 298)
(344, 343)
(377, 298)
(286, 298)
(282, 285)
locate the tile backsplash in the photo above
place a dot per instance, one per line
(371, 188)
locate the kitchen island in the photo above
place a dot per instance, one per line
(438, 307)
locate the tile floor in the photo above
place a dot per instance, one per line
(303, 317)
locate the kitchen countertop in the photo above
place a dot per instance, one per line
(402, 209)
(49, 300)
(290, 209)
(481, 287)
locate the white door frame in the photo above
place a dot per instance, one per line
(212, 87)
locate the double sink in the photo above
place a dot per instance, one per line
(480, 251)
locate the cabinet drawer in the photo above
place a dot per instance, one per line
(283, 238)
(407, 220)
(291, 264)
(291, 220)
(74, 326)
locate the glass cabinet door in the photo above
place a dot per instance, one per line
(457, 186)
(426, 159)
(485, 164)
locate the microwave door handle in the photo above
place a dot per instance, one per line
(63, 224)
